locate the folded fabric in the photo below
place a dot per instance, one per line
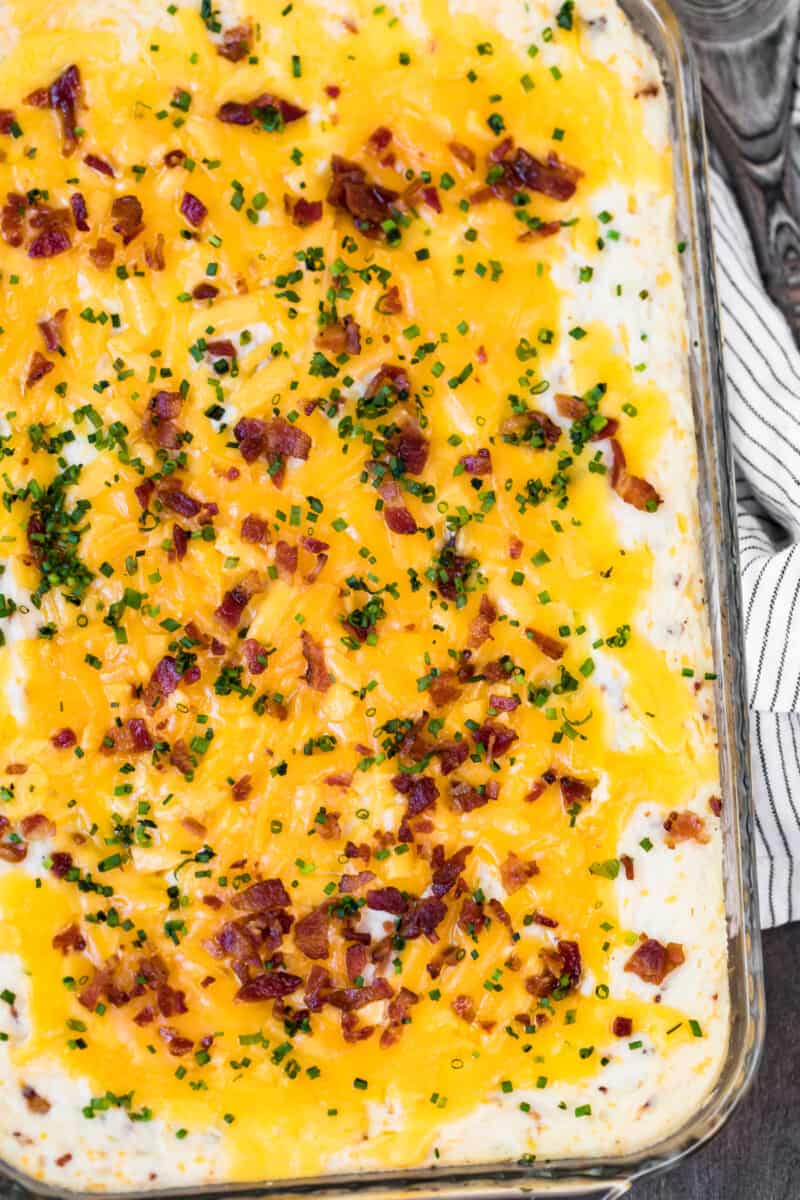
(763, 370)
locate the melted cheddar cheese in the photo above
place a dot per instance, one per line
(259, 584)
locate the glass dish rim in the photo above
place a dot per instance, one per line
(613, 1176)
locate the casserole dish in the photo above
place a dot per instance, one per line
(722, 614)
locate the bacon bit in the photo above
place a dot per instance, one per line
(49, 243)
(38, 367)
(685, 826)
(204, 291)
(302, 212)
(627, 865)
(236, 42)
(479, 463)
(12, 219)
(539, 918)
(176, 1043)
(64, 95)
(52, 329)
(37, 825)
(60, 864)
(69, 940)
(444, 688)
(570, 962)
(247, 112)
(154, 255)
(254, 530)
(422, 918)
(378, 140)
(159, 428)
(410, 445)
(471, 918)
(80, 213)
(181, 758)
(8, 120)
(341, 781)
(622, 1027)
(391, 378)
(715, 804)
(133, 737)
(553, 177)
(16, 768)
(448, 870)
(355, 958)
(180, 544)
(63, 1159)
(102, 255)
(367, 202)
(630, 488)
(255, 655)
(242, 788)
(195, 828)
(464, 1007)
(317, 675)
(333, 90)
(13, 852)
(515, 873)
(652, 961)
(236, 600)
(464, 154)
(179, 501)
(465, 798)
(451, 755)
(397, 1013)
(342, 337)
(503, 703)
(420, 792)
(571, 407)
(574, 791)
(349, 999)
(127, 213)
(311, 933)
(521, 427)
(399, 519)
(264, 896)
(174, 158)
(193, 209)
(36, 1103)
(348, 884)
(496, 739)
(390, 303)
(387, 899)
(549, 646)
(99, 164)
(480, 626)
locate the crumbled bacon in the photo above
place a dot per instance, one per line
(715, 804)
(685, 826)
(447, 871)
(495, 739)
(285, 559)
(178, 501)
(38, 367)
(399, 519)
(317, 675)
(242, 788)
(574, 791)
(180, 542)
(64, 739)
(255, 656)
(397, 1012)
(480, 626)
(465, 798)
(515, 873)
(35, 1103)
(353, 882)
(302, 212)
(266, 108)
(390, 303)
(420, 792)
(237, 598)
(60, 864)
(154, 255)
(464, 1007)
(444, 688)
(204, 291)
(622, 1027)
(387, 899)
(52, 329)
(13, 852)
(342, 337)
(181, 758)
(367, 202)
(12, 219)
(80, 213)
(263, 896)
(65, 97)
(8, 120)
(479, 463)
(254, 529)
(127, 213)
(410, 446)
(311, 933)
(37, 825)
(163, 682)
(531, 427)
(630, 488)
(236, 42)
(269, 986)
(627, 865)
(652, 961)
(132, 737)
(69, 940)
(102, 255)
(159, 428)
(349, 999)
(521, 170)
(49, 243)
(549, 646)
(193, 209)
(451, 755)
(422, 918)
(101, 165)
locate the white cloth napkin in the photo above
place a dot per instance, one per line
(763, 369)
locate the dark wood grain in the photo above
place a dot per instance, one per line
(757, 1155)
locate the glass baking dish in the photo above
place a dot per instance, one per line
(611, 1177)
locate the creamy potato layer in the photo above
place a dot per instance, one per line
(360, 797)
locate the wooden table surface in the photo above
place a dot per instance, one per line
(756, 1156)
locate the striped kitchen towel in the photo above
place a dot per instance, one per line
(763, 369)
